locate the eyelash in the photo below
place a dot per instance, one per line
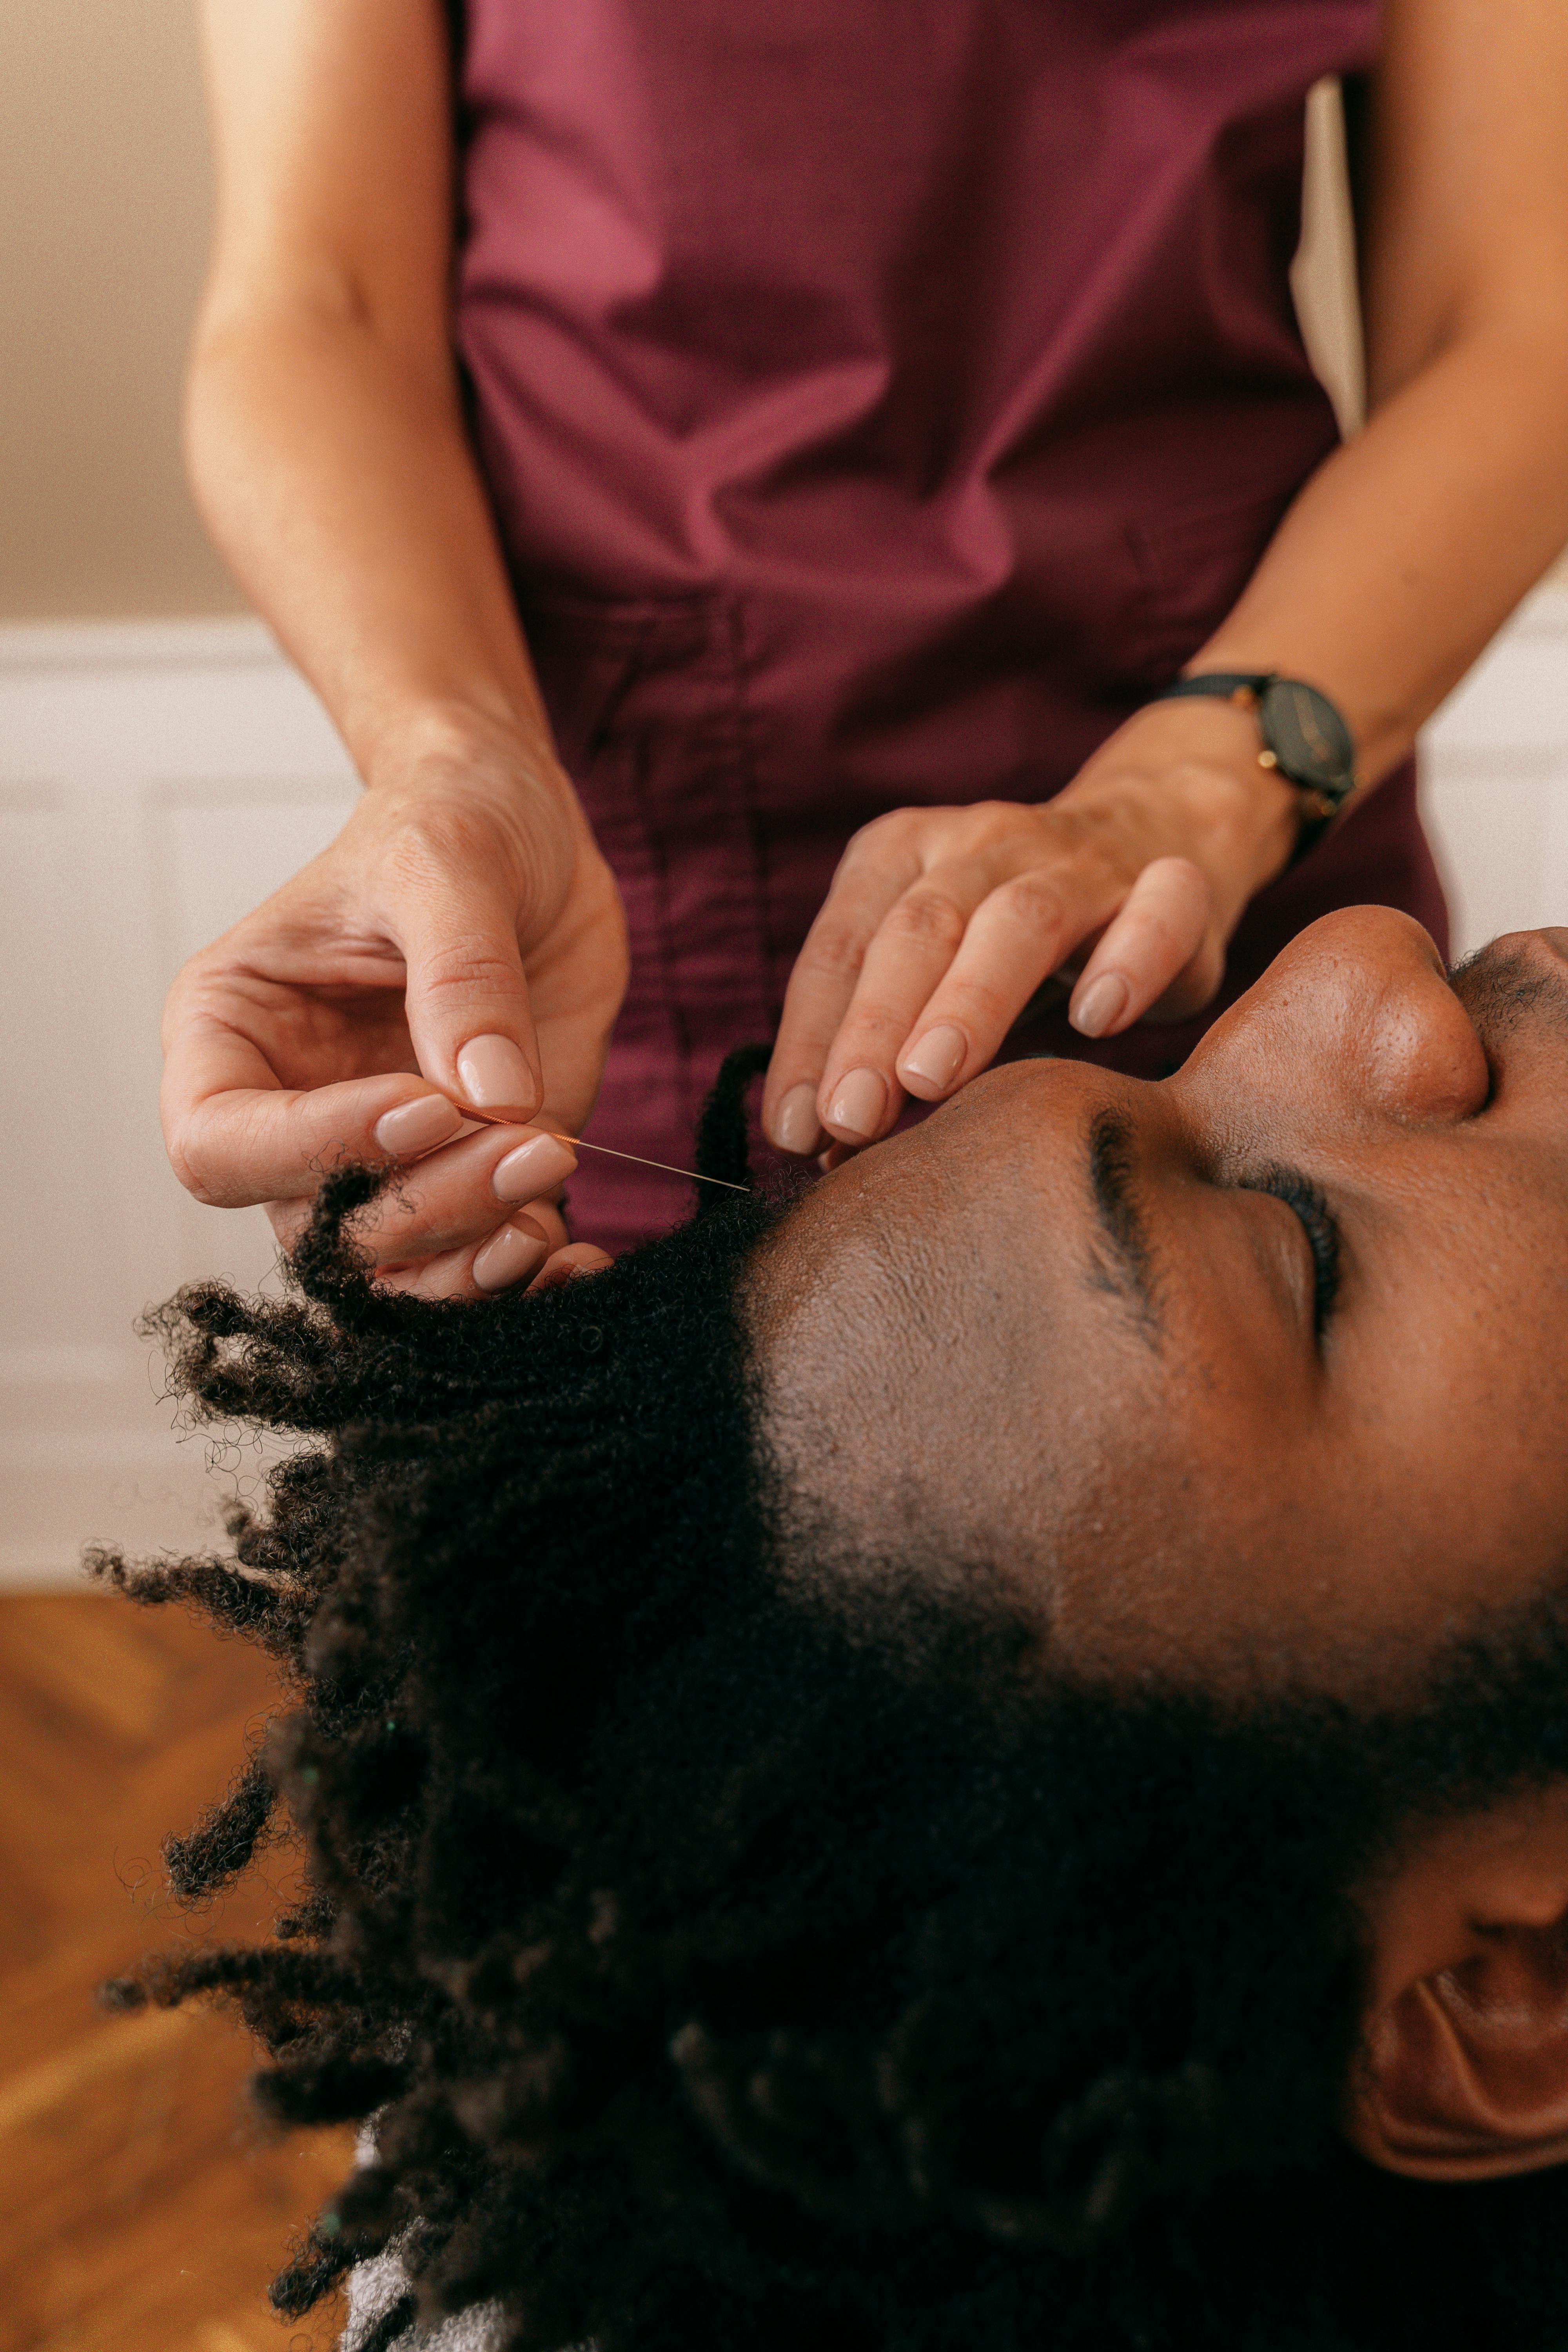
(1317, 1221)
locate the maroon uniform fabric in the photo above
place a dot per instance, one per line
(879, 399)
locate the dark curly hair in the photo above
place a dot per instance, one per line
(729, 1953)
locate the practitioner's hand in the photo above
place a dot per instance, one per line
(533, 1244)
(461, 936)
(942, 924)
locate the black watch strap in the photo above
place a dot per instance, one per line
(1223, 685)
(1304, 738)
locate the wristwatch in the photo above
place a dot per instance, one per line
(1303, 737)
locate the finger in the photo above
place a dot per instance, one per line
(452, 1201)
(507, 1254)
(468, 1004)
(453, 1275)
(521, 1166)
(511, 1252)
(235, 1137)
(862, 1092)
(877, 869)
(1013, 940)
(1157, 934)
(577, 1257)
(456, 1197)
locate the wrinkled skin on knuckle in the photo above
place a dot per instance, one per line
(207, 984)
(928, 918)
(460, 966)
(206, 1163)
(834, 950)
(437, 846)
(441, 837)
(1036, 902)
(988, 1011)
(874, 1029)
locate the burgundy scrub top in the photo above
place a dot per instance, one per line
(879, 399)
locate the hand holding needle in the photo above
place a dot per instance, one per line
(577, 1143)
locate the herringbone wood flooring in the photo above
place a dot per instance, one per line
(142, 2208)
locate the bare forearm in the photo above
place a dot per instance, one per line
(1408, 549)
(333, 473)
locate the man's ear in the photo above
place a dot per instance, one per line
(1464, 2068)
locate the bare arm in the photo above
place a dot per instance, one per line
(325, 440)
(465, 905)
(1390, 571)
(1410, 547)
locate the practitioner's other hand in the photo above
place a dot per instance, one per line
(462, 937)
(942, 924)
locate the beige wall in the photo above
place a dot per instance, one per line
(103, 214)
(104, 198)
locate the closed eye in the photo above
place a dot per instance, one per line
(1306, 1203)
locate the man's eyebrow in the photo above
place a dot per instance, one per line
(1120, 1217)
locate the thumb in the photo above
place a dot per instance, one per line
(466, 1002)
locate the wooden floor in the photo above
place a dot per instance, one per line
(141, 2208)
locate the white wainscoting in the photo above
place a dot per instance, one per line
(1495, 778)
(156, 782)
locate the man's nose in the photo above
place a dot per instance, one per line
(1355, 1020)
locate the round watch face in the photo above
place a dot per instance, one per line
(1307, 737)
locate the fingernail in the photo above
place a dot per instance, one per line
(534, 1167)
(509, 1256)
(937, 1057)
(1103, 1001)
(796, 1126)
(495, 1075)
(416, 1126)
(859, 1104)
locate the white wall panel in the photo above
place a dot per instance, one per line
(1501, 847)
(47, 954)
(155, 783)
(1495, 779)
(1515, 700)
(220, 848)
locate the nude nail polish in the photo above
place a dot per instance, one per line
(860, 1104)
(1103, 1001)
(535, 1168)
(508, 1257)
(417, 1127)
(937, 1057)
(496, 1077)
(796, 1126)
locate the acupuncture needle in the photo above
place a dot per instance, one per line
(579, 1143)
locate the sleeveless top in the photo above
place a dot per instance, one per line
(878, 400)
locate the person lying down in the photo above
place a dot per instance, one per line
(977, 1757)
